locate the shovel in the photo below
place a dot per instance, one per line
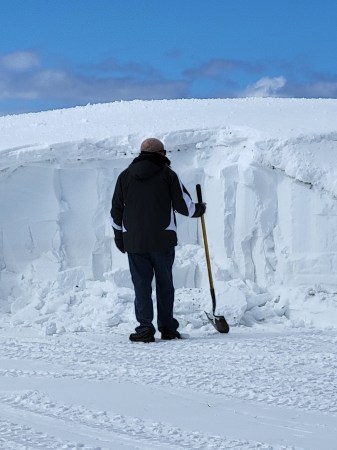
(218, 322)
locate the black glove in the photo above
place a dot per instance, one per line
(200, 209)
(120, 245)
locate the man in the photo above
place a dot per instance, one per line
(146, 196)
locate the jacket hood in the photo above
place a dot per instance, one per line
(146, 165)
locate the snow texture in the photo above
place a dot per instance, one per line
(70, 379)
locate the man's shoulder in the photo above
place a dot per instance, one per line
(170, 172)
(124, 173)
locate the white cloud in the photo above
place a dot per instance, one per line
(25, 80)
(19, 61)
(24, 77)
(50, 79)
(71, 88)
(217, 68)
(265, 87)
(324, 89)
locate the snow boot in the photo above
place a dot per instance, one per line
(145, 336)
(167, 334)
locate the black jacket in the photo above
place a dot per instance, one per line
(146, 196)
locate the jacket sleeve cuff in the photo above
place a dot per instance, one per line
(200, 209)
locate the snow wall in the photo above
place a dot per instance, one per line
(272, 236)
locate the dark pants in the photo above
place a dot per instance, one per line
(142, 267)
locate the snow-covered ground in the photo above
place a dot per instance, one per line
(69, 378)
(248, 390)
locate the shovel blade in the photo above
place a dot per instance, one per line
(218, 322)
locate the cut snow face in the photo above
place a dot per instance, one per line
(267, 169)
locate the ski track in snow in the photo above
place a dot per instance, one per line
(268, 168)
(292, 373)
(107, 426)
(20, 437)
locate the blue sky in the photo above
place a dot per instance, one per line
(63, 53)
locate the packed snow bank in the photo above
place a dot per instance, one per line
(267, 168)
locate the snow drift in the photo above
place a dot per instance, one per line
(268, 172)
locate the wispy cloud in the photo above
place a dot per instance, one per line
(282, 87)
(316, 85)
(22, 76)
(63, 85)
(19, 61)
(265, 87)
(218, 68)
(130, 69)
(319, 89)
(227, 78)
(27, 83)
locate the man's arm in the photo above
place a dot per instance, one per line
(181, 199)
(116, 213)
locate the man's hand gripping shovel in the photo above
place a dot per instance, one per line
(218, 322)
